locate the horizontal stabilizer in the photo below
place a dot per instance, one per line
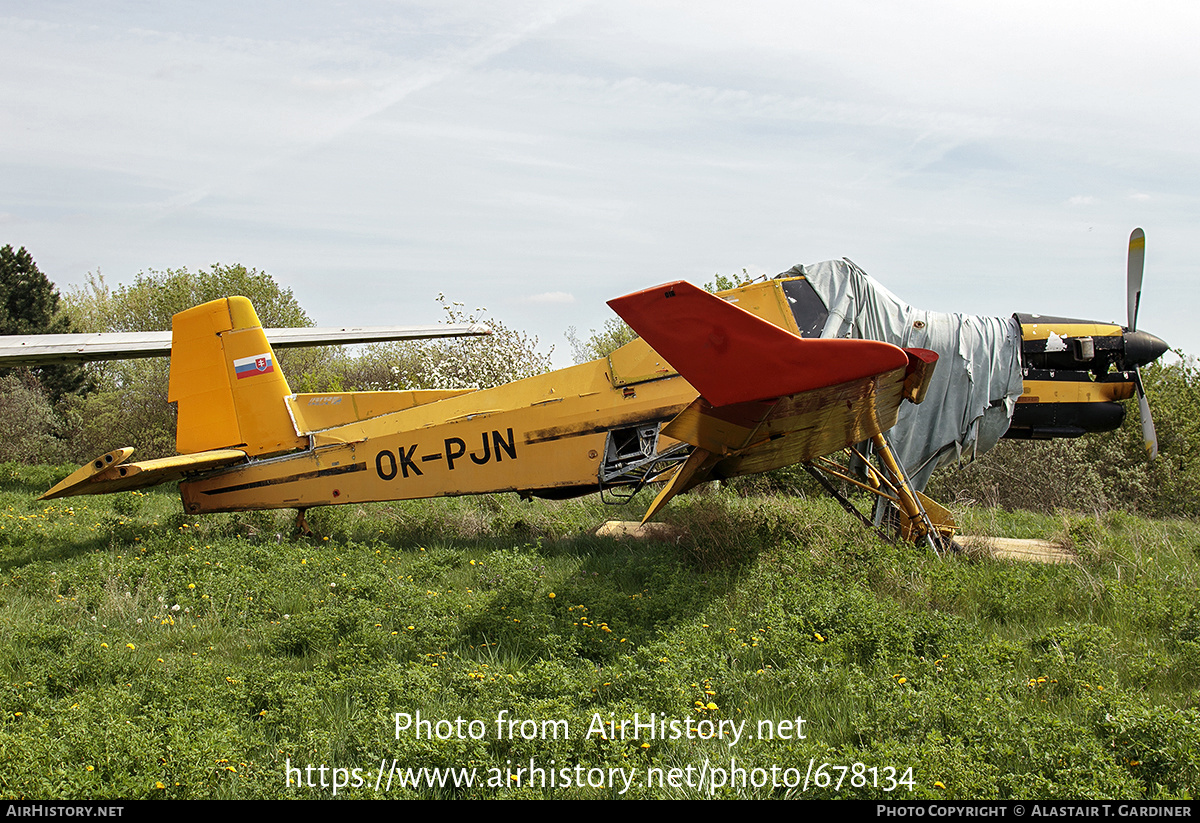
(731, 356)
(104, 475)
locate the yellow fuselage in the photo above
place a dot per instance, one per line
(543, 435)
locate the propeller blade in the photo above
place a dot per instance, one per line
(1133, 275)
(1149, 437)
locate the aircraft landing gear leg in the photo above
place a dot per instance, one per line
(302, 527)
(915, 521)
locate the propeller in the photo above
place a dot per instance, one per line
(1137, 261)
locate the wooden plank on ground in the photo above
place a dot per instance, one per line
(1011, 548)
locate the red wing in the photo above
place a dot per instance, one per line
(731, 356)
(758, 436)
(768, 398)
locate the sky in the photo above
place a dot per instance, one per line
(539, 158)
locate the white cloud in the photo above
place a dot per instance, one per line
(574, 153)
(549, 297)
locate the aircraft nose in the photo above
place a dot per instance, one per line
(1142, 348)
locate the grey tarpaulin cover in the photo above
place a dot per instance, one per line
(975, 385)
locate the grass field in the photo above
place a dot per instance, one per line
(776, 650)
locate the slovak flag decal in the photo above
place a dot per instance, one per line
(251, 366)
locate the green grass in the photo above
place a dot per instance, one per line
(148, 654)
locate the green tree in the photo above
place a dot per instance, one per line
(615, 334)
(29, 425)
(29, 304)
(722, 283)
(150, 301)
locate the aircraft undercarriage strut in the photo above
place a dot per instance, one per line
(916, 517)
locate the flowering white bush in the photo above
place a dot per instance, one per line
(455, 363)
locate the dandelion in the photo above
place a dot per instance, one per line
(130, 646)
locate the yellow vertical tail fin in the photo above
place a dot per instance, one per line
(227, 382)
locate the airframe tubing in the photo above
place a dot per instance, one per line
(830, 467)
(902, 495)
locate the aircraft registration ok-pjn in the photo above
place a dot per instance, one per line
(716, 386)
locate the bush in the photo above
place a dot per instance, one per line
(28, 423)
(1099, 472)
(469, 363)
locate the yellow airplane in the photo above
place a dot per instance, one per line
(716, 386)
